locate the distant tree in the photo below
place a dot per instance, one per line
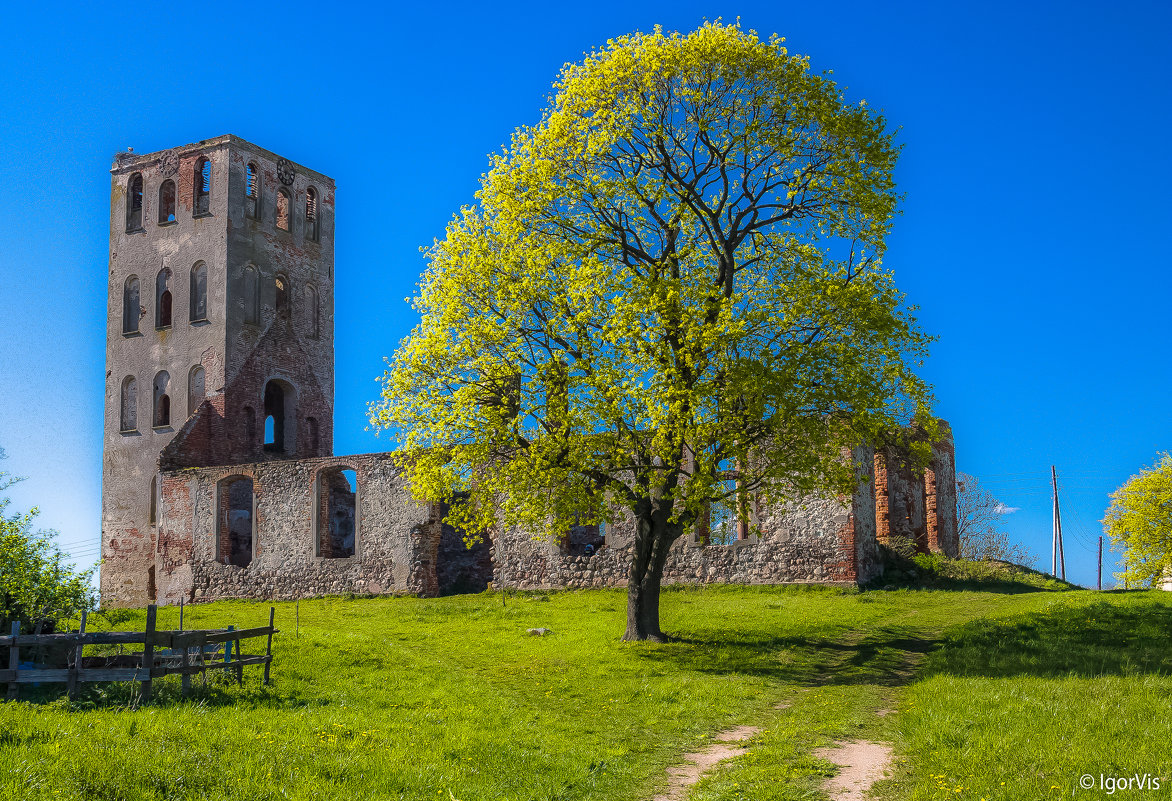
(38, 586)
(978, 516)
(1139, 523)
(669, 296)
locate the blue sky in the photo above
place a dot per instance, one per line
(1035, 170)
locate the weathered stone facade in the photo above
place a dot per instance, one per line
(225, 488)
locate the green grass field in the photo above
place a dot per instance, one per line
(996, 690)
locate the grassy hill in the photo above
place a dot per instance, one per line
(997, 688)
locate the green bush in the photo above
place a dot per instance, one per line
(38, 586)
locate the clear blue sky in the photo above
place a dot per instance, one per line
(1036, 168)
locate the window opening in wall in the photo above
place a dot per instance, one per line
(162, 401)
(251, 190)
(129, 416)
(167, 202)
(337, 522)
(281, 286)
(584, 540)
(234, 541)
(251, 296)
(152, 592)
(199, 292)
(153, 504)
(131, 310)
(314, 440)
(311, 308)
(311, 214)
(202, 187)
(195, 389)
(163, 299)
(275, 429)
(282, 209)
(134, 203)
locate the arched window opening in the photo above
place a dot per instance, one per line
(152, 514)
(283, 210)
(251, 296)
(235, 502)
(202, 187)
(311, 214)
(199, 292)
(162, 401)
(279, 414)
(195, 389)
(131, 310)
(129, 414)
(167, 202)
(314, 437)
(134, 203)
(252, 190)
(312, 311)
(281, 285)
(337, 512)
(163, 299)
(250, 428)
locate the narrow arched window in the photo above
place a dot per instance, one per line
(134, 203)
(281, 285)
(163, 299)
(311, 311)
(283, 210)
(131, 311)
(195, 389)
(162, 401)
(251, 295)
(199, 292)
(152, 515)
(167, 202)
(202, 187)
(252, 190)
(311, 214)
(129, 415)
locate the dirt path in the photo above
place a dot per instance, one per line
(862, 764)
(695, 765)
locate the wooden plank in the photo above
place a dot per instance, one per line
(269, 644)
(242, 634)
(108, 674)
(13, 660)
(46, 676)
(148, 652)
(92, 638)
(72, 689)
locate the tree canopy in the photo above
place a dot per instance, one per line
(1139, 523)
(671, 281)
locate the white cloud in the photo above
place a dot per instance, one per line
(1002, 509)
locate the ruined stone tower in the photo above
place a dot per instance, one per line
(220, 336)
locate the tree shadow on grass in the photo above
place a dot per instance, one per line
(1125, 637)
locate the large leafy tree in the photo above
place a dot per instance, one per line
(671, 280)
(1139, 522)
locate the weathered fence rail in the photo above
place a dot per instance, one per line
(186, 654)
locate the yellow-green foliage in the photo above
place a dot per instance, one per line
(1139, 521)
(682, 256)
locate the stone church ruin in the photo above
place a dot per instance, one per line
(218, 479)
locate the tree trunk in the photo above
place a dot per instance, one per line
(651, 546)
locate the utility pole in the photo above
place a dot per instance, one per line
(1100, 561)
(1058, 556)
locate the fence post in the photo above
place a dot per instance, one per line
(269, 644)
(186, 678)
(228, 647)
(76, 668)
(13, 661)
(239, 667)
(148, 652)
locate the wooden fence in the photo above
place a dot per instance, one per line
(164, 653)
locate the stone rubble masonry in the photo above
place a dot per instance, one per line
(176, 544)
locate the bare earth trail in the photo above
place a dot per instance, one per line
(861, 762)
